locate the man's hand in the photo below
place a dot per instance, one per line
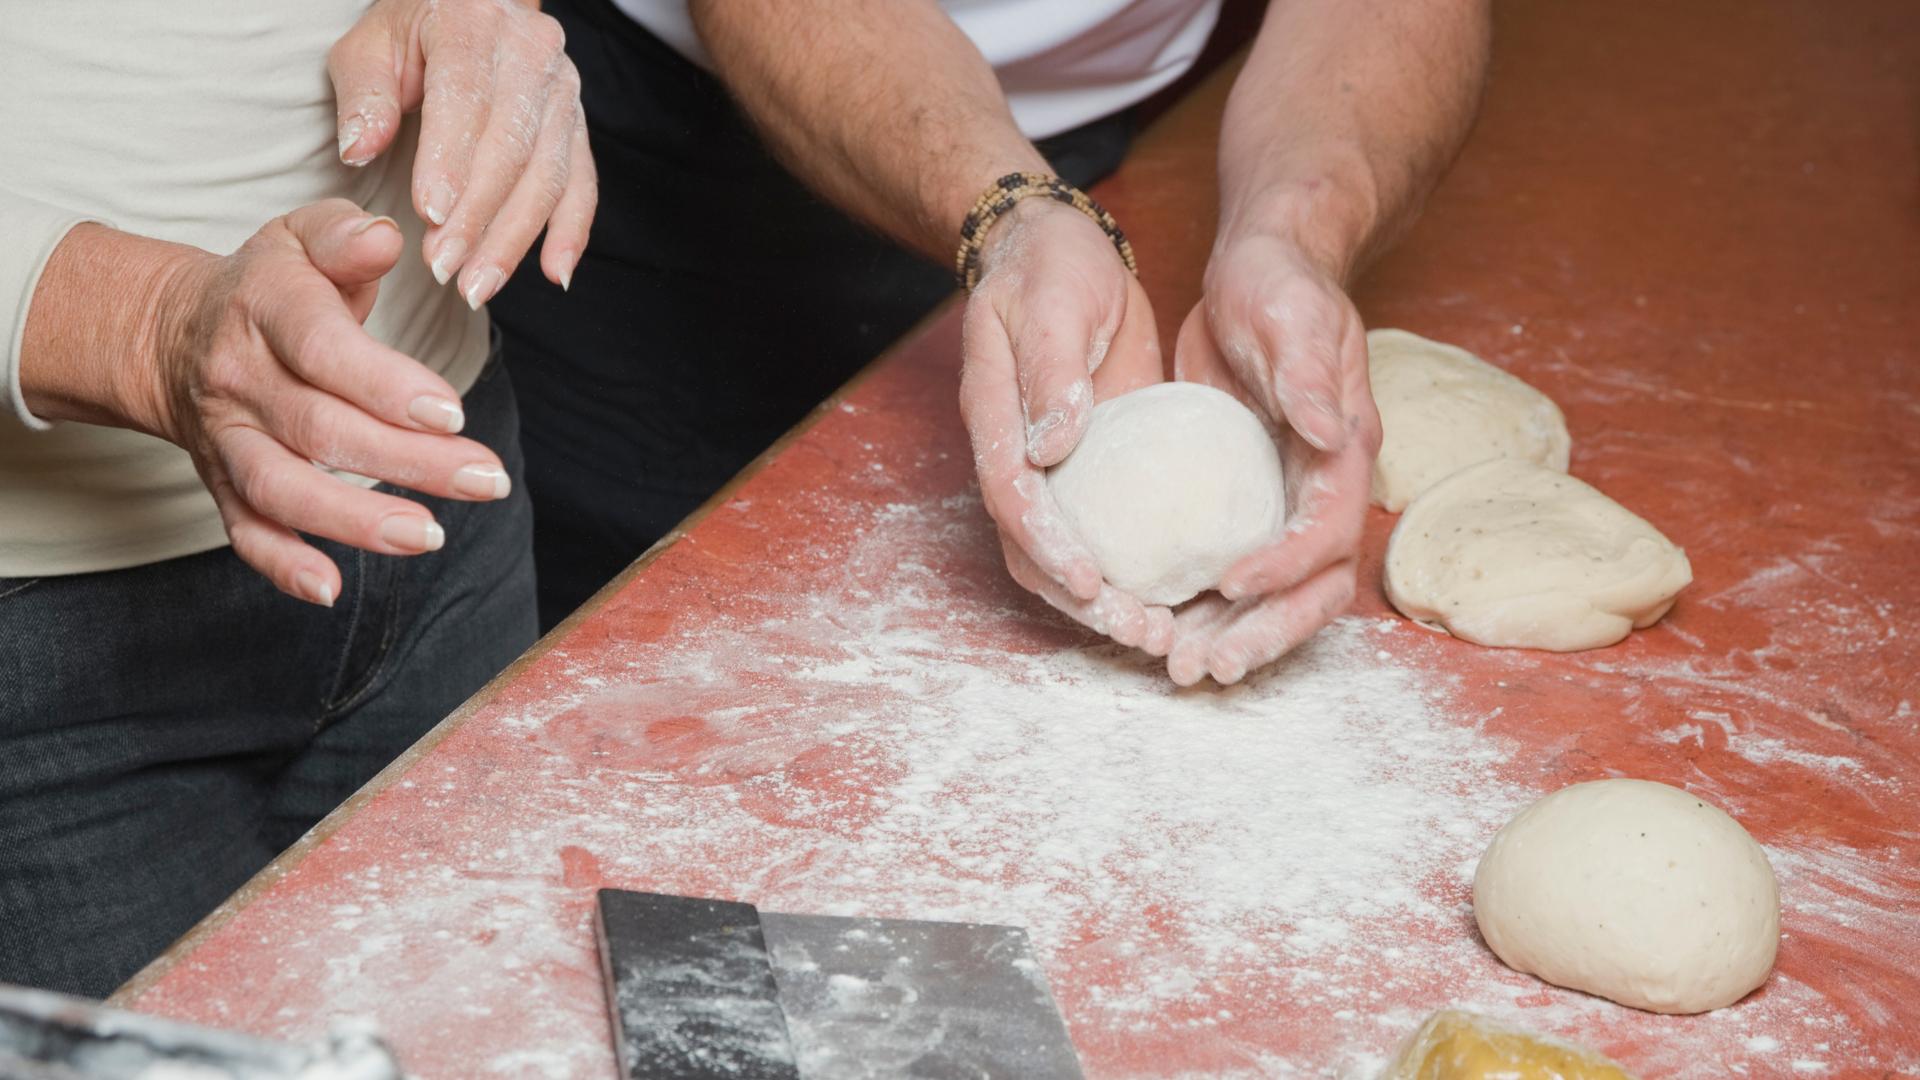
(503, 143)
(1056, 322)
(1343, 118)
(256, 363)
(1278, 332)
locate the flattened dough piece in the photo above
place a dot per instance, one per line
(1444, 409)
(1510, 554)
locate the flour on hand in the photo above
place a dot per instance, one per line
(1171, 485)
(1443, 408)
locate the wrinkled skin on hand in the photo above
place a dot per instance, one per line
(264, 370)
(1277, 331)
(1056, 324)
(503, 142)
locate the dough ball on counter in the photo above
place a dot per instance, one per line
(1443, 408)
(1171, 485)
(1634, 891)
(1512, 554)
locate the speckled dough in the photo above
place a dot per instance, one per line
(1510, 554)
(1443, 409)
(1170, 486)
(1632, 890)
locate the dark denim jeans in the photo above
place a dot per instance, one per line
(166, 730)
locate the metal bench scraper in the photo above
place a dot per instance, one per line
(822, 998)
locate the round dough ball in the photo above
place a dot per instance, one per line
(1443, 408)
(1510, 554)
(1169, 487)
(1634, 891)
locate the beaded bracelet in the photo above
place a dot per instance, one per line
(1007, 192)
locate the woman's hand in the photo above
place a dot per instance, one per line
(256, 364)
(1277, 330)
(1055, 323)
(503, 143)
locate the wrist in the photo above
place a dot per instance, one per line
(1007, 236)
(1331, 221)
(996, 228)
(106, 317)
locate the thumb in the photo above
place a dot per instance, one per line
(365, 68)
(1059, 337)
(352, 248)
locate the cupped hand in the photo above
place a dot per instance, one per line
(503, 143)
(1056, 323)
(263, 371)
(1278, 331)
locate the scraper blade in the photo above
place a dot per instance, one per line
(690, 989)
(906, 998)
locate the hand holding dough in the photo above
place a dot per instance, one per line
(1169, 487)
(1443, 408)
(1508, 553)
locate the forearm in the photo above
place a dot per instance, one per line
(882, 106)
(1345, 117)
(95, 328)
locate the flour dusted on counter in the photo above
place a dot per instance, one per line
(1286, 863)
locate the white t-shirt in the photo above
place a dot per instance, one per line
(1062, 63)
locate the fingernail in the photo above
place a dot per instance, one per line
(437, 413)
(439, 202)
(482, 284)
(1038, 430)
(568, 260)
(448, 259)
(366, 226)
(313, 588)
(1227, 672)
(411, 532)
(350, 133)
(482, 482)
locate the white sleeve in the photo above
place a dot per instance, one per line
(32, 230)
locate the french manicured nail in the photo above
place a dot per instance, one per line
(411, 532)
(439, 202)
(368, 225)
(482, 482)
(313, 588)
(568, 260)
(447, 261)
(437, 413)
(482, 284)
(350, 133)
